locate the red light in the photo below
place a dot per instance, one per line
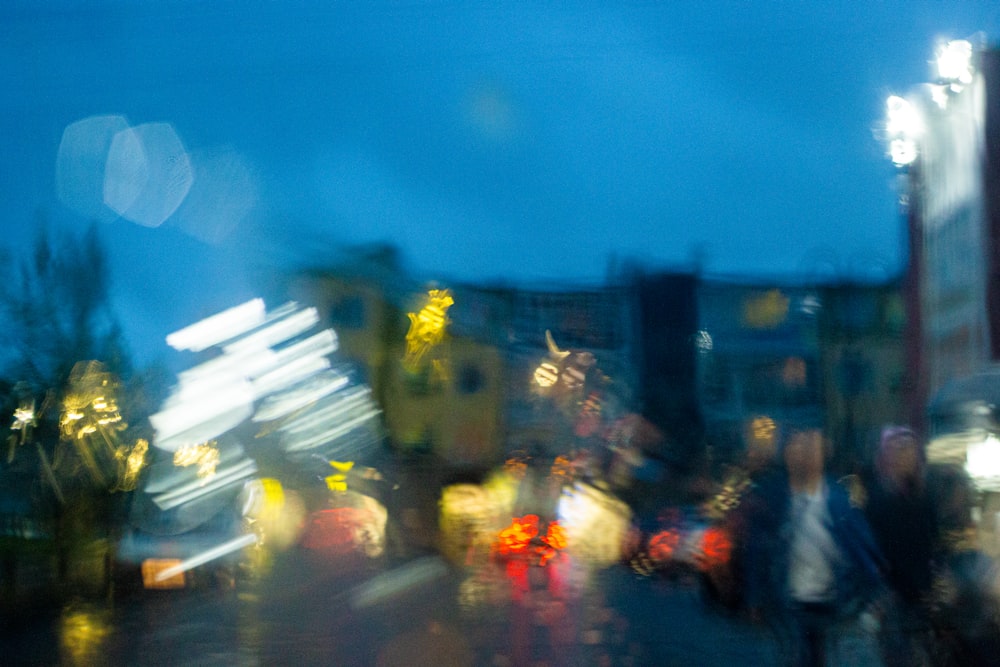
(335, 529)
(663, 544)
(716, 549)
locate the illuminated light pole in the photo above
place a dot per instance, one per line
(903, 128)
(953, 208)
(954, 63)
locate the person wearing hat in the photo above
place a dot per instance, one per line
(812, 566)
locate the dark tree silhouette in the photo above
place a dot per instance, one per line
(55, 300)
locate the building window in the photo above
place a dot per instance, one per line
(349, 312)
(470, 379)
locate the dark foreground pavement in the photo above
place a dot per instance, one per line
(312, 611)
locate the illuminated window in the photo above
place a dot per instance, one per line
(765, 311)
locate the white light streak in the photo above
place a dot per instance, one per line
(289, 374)
(301, 396)
(208, 555)
(278, 329)
(396, 582)
(202, 411)
(296, 442)
(219, 328)
(197, 488)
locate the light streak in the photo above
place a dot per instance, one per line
(289, 373)
(284, 324)
(395, 582)
(204, 455)
(197, 413)
(301, 396)
(218, 328)
(208, 555)
(198, 488)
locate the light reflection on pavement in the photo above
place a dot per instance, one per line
(302, 614)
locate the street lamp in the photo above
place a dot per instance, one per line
(954, 63)
(903, 126)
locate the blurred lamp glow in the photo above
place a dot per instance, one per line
(902, 151)
(982, 462)
(902, 118)
(954, 61)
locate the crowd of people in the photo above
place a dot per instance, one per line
(889, 553)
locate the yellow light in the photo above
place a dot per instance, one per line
(24, 417)
(338, 481)
(427, 327)
(595, 524)
(274, 494)
(134, 462)
(766, 311)
(546, 374)
(83, 630)
(204, 455)
(763, 429)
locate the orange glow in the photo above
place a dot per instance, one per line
(663, 544)
(151, 567)
(516, 467)
(562, 467)
(516, 538)
(716, 549)
(556, 536)
(554, 541)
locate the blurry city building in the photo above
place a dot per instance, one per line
(701, 358)
(758, 348)
(592, 323)
(862, 356)
(950, 191)
(951, 197)
(666, 355)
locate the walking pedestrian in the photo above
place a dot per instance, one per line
(812, 565)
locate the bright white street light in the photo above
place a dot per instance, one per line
(954, 62)
(902, 151)
(902, 118)
(983, 462)
(903, 125)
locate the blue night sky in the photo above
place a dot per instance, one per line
(527, 142)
